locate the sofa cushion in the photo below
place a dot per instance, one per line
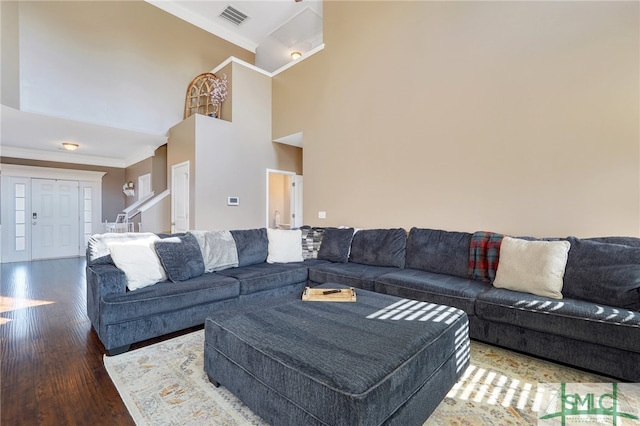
(311, 241)
(535, 267)
(349, 274)
(379, 247)
(432, 287)
(443, 252)
(138, 260)
(603, 273)
(167, 297)
(625, 241)
(252, 245)
(267, 276)
(580, 320)
(181, 257)
(284, 246)
(336, 244)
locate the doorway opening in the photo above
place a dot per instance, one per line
(284, 200)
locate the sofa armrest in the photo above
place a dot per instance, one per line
(101, 281)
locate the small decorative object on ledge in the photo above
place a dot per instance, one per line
(128, 189)
(205, 94)
(218, 93)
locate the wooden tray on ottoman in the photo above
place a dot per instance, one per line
(329, 294)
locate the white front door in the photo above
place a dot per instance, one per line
(180, 197)
(54, 218)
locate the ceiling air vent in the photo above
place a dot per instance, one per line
(233, 15)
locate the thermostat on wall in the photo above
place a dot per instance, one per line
(233, 201)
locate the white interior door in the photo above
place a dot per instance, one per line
(296, 202)
(180, 197)
(54, 218)
(144, 186)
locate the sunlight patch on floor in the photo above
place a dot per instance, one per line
(8, 304)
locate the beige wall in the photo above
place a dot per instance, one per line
(156, 166)
(125, 64)
(517, 117)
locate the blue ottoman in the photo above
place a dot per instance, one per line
(379, 360)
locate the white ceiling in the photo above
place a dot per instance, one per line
(40, 137)
(273, 29)
(268, 20)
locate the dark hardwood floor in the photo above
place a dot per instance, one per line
(52, 370)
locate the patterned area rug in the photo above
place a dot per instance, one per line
(165, 384)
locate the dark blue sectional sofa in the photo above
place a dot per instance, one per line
(595, 326)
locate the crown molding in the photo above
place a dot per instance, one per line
(174, 8)
(72, 158)
(264, 72)
(18, 170)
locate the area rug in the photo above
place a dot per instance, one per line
(165, 384)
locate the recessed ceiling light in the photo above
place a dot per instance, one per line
(70, 146)
(295, 55)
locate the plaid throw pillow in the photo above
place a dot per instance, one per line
(484, 254)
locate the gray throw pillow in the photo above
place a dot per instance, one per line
(252, 245)
(180, 257)
(335, 245)
(379, 247)
(603, 273)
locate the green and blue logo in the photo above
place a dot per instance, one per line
(601, 403)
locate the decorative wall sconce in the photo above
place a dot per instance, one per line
(128, 189)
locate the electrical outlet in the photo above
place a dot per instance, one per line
(322, 215)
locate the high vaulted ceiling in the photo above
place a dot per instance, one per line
(272, 29)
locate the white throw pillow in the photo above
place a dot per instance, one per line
(535, 267)
(139, 262)
(284, 246)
